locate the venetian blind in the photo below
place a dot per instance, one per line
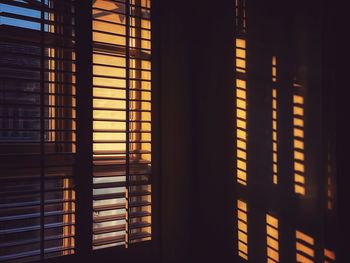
(37, 129)
(121, 122)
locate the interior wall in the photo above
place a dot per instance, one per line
(197, 127)
(196, 73)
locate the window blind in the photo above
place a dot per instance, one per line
(121, 122)
(37, 129)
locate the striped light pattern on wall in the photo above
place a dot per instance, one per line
(298, 139)
(272, 239)
(304, 247)
(241, 95)
(274, 121)
(242, 222)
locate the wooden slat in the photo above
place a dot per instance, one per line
(108, 240)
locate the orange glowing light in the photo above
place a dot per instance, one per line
(272, 237)
(242, 216)
(298, 134)
(274, 120)
(304, 244)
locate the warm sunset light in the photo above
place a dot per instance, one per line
(164, 131)
(329, 256)
(272, 239)
(274, 121)
(242, 229)
(122, 117)
(298, 132)
(304, 247)
(241, 123)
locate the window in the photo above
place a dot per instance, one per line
(78, 166)
(121, 122)
(38, 126)
(37, 130)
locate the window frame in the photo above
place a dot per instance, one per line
(143, 251)
(47, 143)
(146, 251)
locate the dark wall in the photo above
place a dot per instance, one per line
(339, 76)
(197, 131)
(197, 126)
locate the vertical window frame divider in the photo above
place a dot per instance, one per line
(127, 112)
(84, 129)
(156, 131)
(42, 132)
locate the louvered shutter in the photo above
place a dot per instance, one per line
(37, 129)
